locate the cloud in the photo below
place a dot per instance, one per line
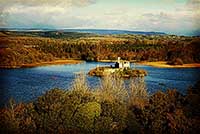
(37, 13)
(193, 4)
(3, 20)
(64, 3)
(170, 22)
(160, 17)
(182, 18)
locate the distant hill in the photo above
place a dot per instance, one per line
(93, 31)
(104, 31)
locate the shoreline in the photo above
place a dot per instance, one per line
(106, 61)
(157, 64)
(163, 64)
(55, 62)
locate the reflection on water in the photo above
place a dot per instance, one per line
(28, 83)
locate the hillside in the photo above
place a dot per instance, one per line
(25, 47)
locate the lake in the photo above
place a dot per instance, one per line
(26, 84)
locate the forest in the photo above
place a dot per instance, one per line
(18, 48)
(109, 108)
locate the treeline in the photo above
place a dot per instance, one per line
(107, 47)
(110, 108)
(16, 57)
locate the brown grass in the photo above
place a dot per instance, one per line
(163, 64)
(55, 62)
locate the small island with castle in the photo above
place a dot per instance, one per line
(121, 68)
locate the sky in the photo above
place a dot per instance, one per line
(181, 17)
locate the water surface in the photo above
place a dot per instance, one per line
(28, 83)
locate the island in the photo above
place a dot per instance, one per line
(121, 68)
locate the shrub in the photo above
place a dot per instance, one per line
(164, 114)
(113, 88)
(176, 61)
(109, 109)
(16, 119)
(138, 95)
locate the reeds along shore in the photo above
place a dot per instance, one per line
(108, 108)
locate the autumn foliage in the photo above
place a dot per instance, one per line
(24, 48)
(109, 108)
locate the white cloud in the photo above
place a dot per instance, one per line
(27, 13)
(193, 4)
(64, 3)
(41, 9)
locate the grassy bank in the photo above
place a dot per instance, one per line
(54, 62)
(164, 64)
(109, 108)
